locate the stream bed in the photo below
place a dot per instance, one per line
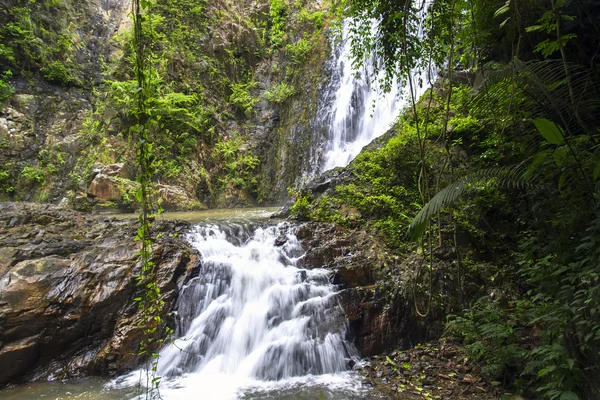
(253, 324)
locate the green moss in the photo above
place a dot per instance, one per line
(382, 191)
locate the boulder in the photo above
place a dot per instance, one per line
(105, 188)
(374, 294)
(175, 198)
(114, 170)
(67, 289)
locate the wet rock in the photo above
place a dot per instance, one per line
(280, 240)
(66, 300)
(354, 275)
(379, 321)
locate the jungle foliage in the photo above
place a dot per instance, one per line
(34, 46)
(499, 162)
(207, 64)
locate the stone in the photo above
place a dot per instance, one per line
(353, 275)
(104, 188)
(25, 103)
(175, 198)
(14, 358)
(280, 241)
(66, 303)
(114, 170)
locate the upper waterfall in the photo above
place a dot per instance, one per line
(360, 111)
(354, 110)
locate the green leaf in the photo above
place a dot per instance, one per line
(534, 28)
(546, 371)
(596, 172)
(549, 130)
(569, 396)
(559, 156)
(503, 10)
(504, 22)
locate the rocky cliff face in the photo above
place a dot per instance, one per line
(67, 284)
(241, 136)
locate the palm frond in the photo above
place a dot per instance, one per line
(569, 97)
(505, 177)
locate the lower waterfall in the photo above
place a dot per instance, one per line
(253, 322)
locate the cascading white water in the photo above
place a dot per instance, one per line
(252, 318)
(360, 112)
(354, 110)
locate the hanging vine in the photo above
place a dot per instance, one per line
(150, 302)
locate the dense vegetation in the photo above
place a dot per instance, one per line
(498, 163)
(210, 64)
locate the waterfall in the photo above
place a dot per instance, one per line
(253, 317)
(353, 109)
(360, 112)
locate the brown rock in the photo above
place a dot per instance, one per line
(16, 357)
(105, 188)
(175, 198)
(114, 170)
(66, 303)
(353, 275)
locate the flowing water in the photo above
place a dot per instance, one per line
(354, 110)
(253, 324)
(359, 112)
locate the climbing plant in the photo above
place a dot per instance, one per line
(150, 301)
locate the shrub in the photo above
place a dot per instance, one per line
(316, 18)
(57, 72)
(241, 97)
(299, 51)
(6, 89)
(32, 175)
(280, 93)
(277, 12)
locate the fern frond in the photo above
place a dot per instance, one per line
(506, 177)
(544, 87)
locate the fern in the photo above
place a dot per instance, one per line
(508, 177)
(544, 88)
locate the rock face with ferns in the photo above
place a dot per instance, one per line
(235, 112)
